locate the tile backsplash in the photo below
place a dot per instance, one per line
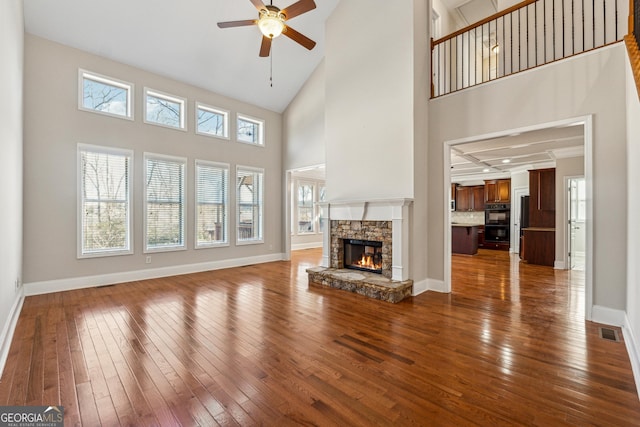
(468, 217)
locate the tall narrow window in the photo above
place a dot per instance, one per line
(164, 110)
(212, 186)
(249, 198)
(322, 197)
(104, 201)
(105, 95)
(212, 121)
(165, 203)
(250, 130)
(305, 208)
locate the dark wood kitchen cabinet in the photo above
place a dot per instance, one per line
(539, 239)
(464, 200)
(478, 197)
(497, 191)
(542, 201)
(470, 198)
(539, 246)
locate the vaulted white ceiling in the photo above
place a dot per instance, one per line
(180, 40)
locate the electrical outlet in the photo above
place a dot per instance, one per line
(270, 247)
(148, 260)
(18, 283)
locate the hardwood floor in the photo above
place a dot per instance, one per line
(257, 346)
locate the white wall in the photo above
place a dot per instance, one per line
(448, 22)
(570, 167)
(303, 124)
(632, 331)
(53, 128)
(587, 84)
(369, 101)
(11, 143)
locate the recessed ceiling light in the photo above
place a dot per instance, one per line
(506, 160)
(485, 170)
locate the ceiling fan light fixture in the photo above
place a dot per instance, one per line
(271, 23)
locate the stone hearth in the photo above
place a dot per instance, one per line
(372, 285)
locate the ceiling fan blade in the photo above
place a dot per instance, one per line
(258, 4)
(299, 38)
(298, 8)
(265, 47)
(230, 24)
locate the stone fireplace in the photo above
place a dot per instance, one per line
(375, 232)
(380, 230)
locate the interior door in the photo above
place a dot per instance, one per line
(576, 228)
(571, 228)
(515, 215)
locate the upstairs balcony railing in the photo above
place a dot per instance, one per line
(527, 35)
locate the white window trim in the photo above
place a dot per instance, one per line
(226, 205)
(129, 87)
(261, 135)
(168, 97)
(314, 197)
(235, 180)
(216, 110)
(105, 150)
(175, 248)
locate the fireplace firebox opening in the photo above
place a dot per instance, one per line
(365, 255)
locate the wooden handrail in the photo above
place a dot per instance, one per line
(484, 21)
(632, 48)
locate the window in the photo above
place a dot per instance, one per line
(322, 197)
(104, 95)
(212, 121)
(104, 201)
(164, 110)
(164, 206)
(249, 197)
(305, 208)
(212, 187)
(250, 130)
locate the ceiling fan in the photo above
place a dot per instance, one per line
(271, 21)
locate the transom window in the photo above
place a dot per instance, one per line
(104, 201)
(250, 130)
(164, 202)
(164, 110)
(105, 95)
(249, 199)
(212, 121)
(212, 188)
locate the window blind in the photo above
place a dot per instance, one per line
(104, 201)
(212, 183)
(165, 190)
(249, 198)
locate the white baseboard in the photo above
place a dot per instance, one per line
(633, 350)
(310, 245)
(608, 316)
(558, 265)
(419, 287)
(437, 285)
(9, 328)
(59, 285)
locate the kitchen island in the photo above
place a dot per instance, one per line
(464, 239)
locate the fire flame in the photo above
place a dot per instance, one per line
(367, 262)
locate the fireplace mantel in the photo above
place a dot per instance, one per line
(394, 210)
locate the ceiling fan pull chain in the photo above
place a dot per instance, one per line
(271, 68)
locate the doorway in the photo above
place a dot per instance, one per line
(584, 124)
